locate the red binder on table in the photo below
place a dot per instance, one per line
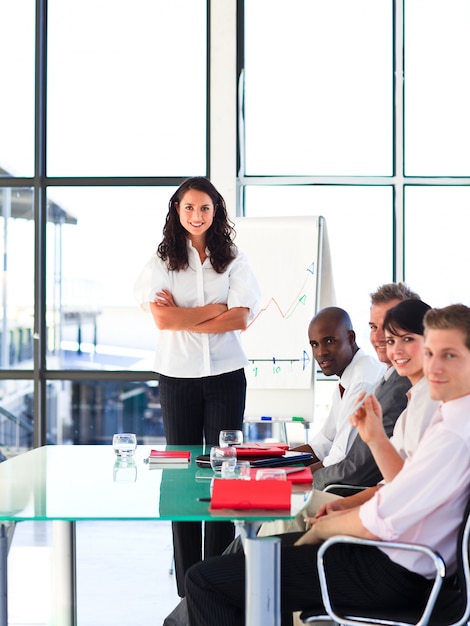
(251, 494)
(169, 457)
(259, 450)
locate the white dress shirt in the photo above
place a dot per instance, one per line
(411, 424)
(424, 503)
(185, 354)
(333, 441)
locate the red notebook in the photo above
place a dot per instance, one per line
(251, 494)
(259, 450)
(169, 456)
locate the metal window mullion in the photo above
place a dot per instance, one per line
(40, 218)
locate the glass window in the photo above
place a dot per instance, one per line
(359, 223)
(17, 88)
(16, 416)
(17, 304)
(17, 291)
(82, 412)
(437, 253)
(437, 97)
(90, 412)
(127, 88)
(93, 262)
(318, 87)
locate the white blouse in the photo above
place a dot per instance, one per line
(333, 441)
(413, 421)
(185, 354)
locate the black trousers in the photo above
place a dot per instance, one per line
(359, 576)
(194, 411)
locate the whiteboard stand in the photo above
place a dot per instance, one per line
(306, 431)
(279, 430)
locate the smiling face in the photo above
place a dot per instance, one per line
(196, 213)
(332, 345)
(446, 364)
(405, 352)
(376, 326)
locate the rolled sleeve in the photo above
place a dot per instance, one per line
(151, 279)
(378, 526)
(244, 290)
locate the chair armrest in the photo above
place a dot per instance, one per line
(338, 488)
(352, 620)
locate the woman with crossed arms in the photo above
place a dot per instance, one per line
(201, 292)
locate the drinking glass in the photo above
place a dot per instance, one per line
(271, 474)
(124, 444)
(240, 471)
(230, 438)
(221, 455)
(125, 470)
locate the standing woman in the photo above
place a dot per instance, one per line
(201, 293)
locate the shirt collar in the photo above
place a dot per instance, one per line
(349, 369)
(451, 408)
(422, 382)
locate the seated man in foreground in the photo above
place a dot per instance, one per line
(430, 515)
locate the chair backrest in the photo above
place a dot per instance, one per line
(453, 602)
(453, 606)
(463, 567)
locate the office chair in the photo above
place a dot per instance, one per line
(343, 490)
(447, 604)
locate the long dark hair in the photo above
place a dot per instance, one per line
(408, 316)
(219, 237)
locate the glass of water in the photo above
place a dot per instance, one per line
(220, 455)
(125, 470)
(271, 474)
(240, 471)
(230, 438)
(124, 444)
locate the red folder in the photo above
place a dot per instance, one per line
(251, 494)
(256, 450)
(170, 454)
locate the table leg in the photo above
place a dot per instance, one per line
(64, 573)
(3, 576)
(263, 575)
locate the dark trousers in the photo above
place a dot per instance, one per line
(194, 411)
(215, 588)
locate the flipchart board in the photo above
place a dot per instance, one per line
(290, 257)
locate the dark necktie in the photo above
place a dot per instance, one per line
(341, 389)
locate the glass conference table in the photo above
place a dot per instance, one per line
(68, 484)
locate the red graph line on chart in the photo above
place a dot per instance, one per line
(299, 299)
